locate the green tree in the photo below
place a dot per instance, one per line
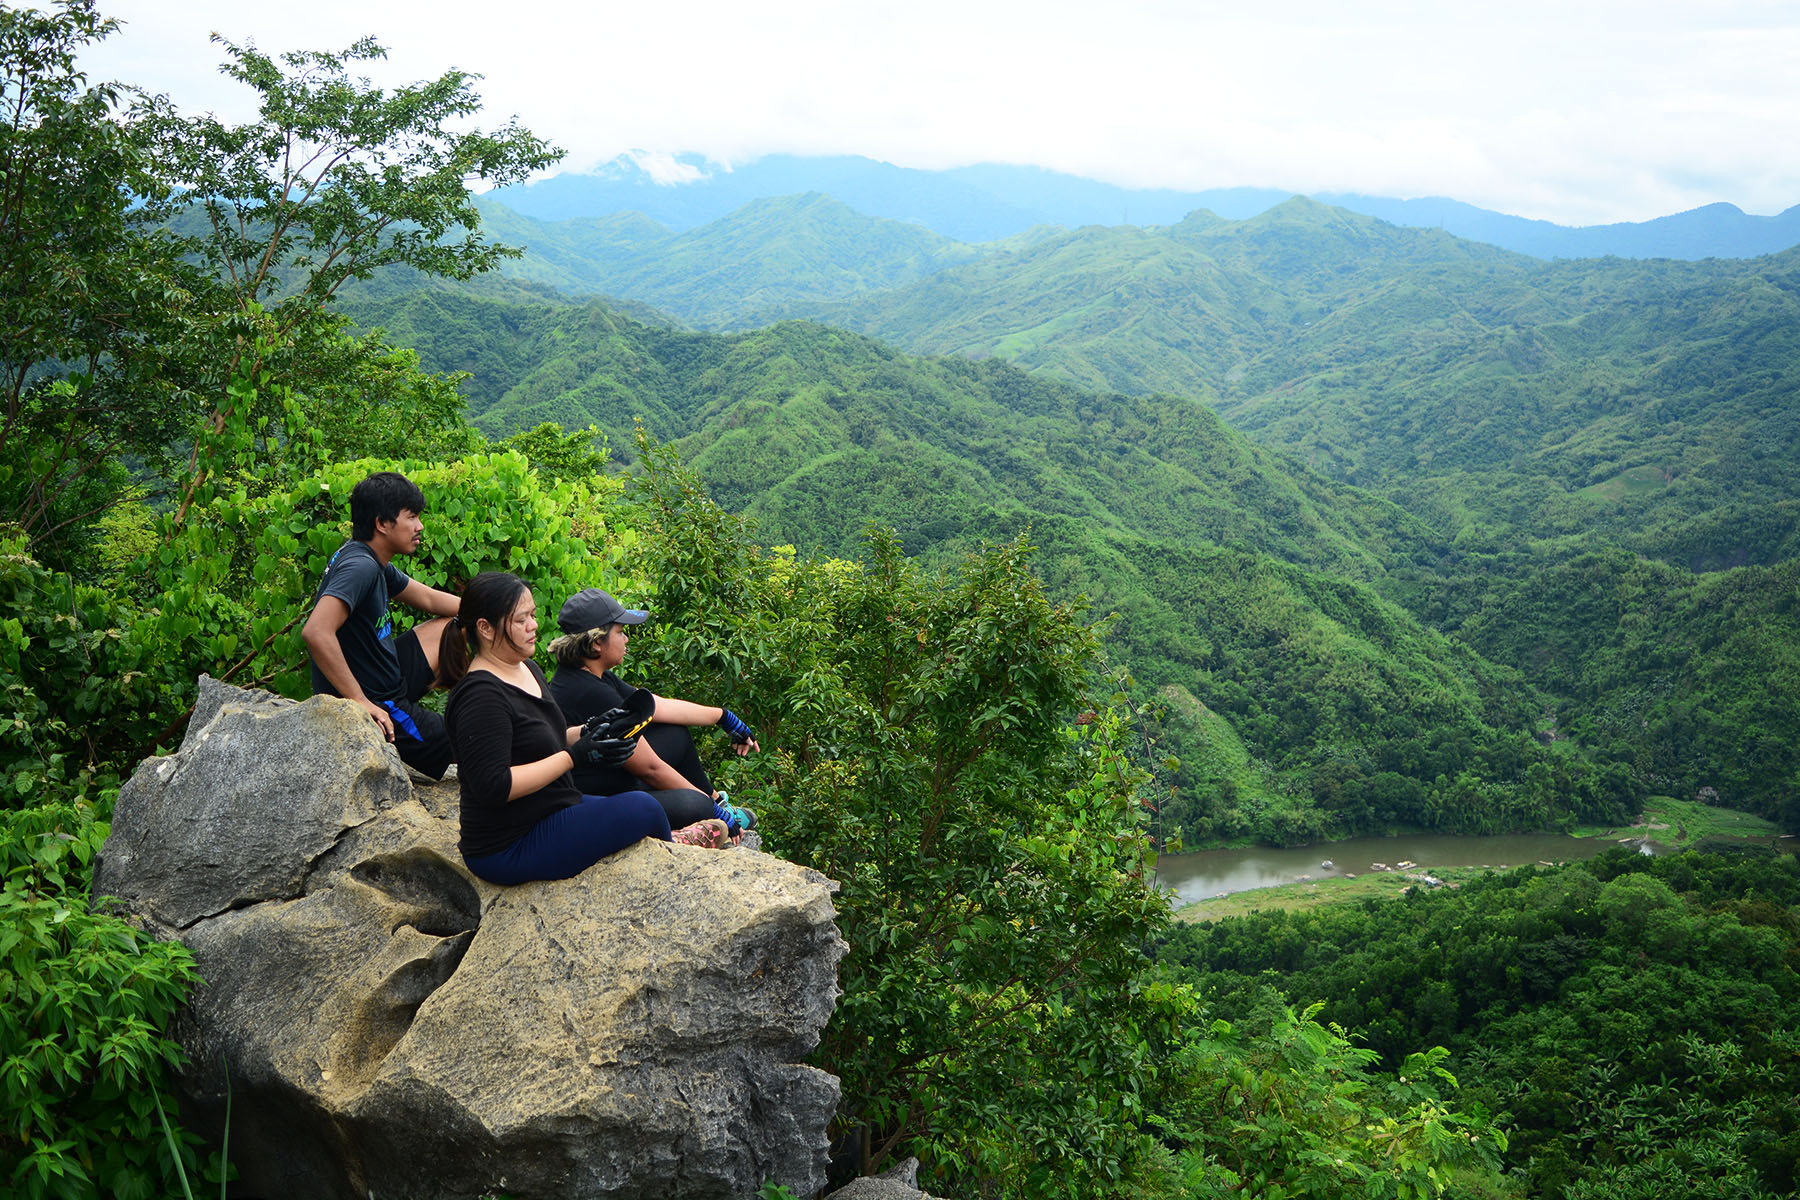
(119, 348)
(998, 1017)
(122, 339)
(336, 179)
(89, 289)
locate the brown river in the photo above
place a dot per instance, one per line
(1209, 873)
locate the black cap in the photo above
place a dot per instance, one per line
(591, 608)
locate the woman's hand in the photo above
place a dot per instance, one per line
(592, 748)
(742, 740)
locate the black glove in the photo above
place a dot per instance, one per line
(732, 724)
(593, 748)
(626, 720)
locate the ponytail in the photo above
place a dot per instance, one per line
(491, 596)
(453, 653)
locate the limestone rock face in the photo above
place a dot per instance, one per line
(386, 1024)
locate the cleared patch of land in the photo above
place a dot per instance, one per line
(1682, 823)
(1627, 485)
(1292, 897)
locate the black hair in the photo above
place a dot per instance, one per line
(491, 596)
(383, 496)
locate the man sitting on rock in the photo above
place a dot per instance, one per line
(350, 634)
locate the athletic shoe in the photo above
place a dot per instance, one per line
(709, 834)
(737, 819)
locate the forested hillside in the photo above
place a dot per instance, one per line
(1247, 590)
(1508, 406)
(1482, 389)
(1633, 1016)
(1678, 675)
(1486, 391)
(1529, 415)
(725, 274)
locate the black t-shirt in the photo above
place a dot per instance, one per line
(357, 577)
(495, 727)
(582, 694)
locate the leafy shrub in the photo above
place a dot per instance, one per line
(61, 737)
(234, 580)
(1292, 1109)
(83, 996)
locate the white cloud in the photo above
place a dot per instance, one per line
(664, 168)
(1581, 111)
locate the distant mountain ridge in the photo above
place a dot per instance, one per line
(764, 255)
(1473, 385)
(1650, 397)
(990, 201)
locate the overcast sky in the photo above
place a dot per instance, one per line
(1575, 111)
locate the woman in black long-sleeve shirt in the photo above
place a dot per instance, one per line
(523, 818)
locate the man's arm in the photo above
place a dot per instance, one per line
(428, 599)
(320, 635)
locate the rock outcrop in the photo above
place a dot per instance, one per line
(898, 1182)
(383, 1023)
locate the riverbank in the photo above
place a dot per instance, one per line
(1680, 824)
(1674, 824)
(1317, 893)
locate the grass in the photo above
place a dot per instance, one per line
(1298, 897)
(1218, 752)
(1684, 823)
(1635, 481)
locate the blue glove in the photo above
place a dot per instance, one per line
(739, 732)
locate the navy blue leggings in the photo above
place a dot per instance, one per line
(570, 840)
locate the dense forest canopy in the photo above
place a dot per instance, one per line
(1327, 661)
(1636, 1016)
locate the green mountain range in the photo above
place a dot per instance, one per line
(1489, 392)
(1651, 399)
(768, 254)
(1372, 612)
(991, 201)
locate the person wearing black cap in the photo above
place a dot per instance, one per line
(522, 815)
(596, 634)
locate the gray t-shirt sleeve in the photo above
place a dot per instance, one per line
(358, 579)
(353, 576)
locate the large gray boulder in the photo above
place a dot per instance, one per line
(385, 1024)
